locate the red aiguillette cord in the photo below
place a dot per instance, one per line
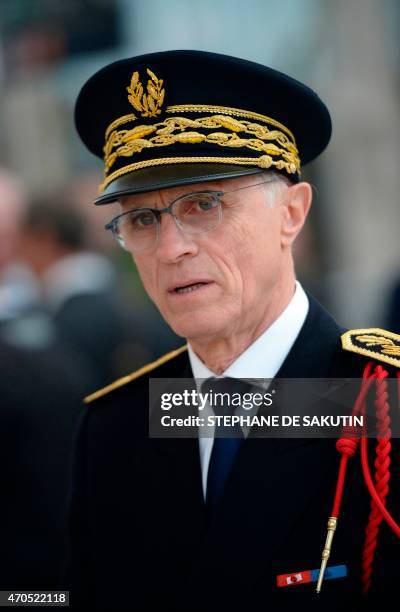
(347, 447)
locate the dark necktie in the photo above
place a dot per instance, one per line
(227, 439)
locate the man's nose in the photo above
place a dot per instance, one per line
(173, 243)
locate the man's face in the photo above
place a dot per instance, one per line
(238, 265)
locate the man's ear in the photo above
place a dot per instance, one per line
(295, 207)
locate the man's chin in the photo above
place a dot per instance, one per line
(191, 328)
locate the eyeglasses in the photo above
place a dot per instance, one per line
(194, 213)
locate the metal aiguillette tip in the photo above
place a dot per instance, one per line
(332, 522)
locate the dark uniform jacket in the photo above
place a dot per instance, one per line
(40, 406)
(142, 539)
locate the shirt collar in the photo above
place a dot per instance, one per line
(264, 357)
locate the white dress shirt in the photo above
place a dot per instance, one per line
(262, 359)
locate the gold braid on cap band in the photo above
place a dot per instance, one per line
(273, 140)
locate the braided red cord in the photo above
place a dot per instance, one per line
(382, 475)
(380, 488)
(373, 492)
(347, 446)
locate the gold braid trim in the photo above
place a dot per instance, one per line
(264, 162)
(174, 130)
(226, 110)
(130, 377)
(206, 108)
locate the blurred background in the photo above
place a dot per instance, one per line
(73, 315)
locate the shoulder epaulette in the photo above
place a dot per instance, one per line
(136, 374)
(373, 342)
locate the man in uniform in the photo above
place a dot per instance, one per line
(203, 154)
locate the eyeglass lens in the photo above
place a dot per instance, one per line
(194, 214)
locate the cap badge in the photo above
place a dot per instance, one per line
(147, 104)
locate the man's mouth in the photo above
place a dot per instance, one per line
(189, 287)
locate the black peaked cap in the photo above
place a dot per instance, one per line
(194, 116)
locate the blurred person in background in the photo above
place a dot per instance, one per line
(41, 386)
(17, 285)
(80, 290)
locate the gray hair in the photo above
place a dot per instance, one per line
(278, 183)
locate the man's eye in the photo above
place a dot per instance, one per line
(144, 219)
(199, 205)
(206, 204)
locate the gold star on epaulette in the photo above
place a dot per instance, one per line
(136, 374)
(373, 342)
